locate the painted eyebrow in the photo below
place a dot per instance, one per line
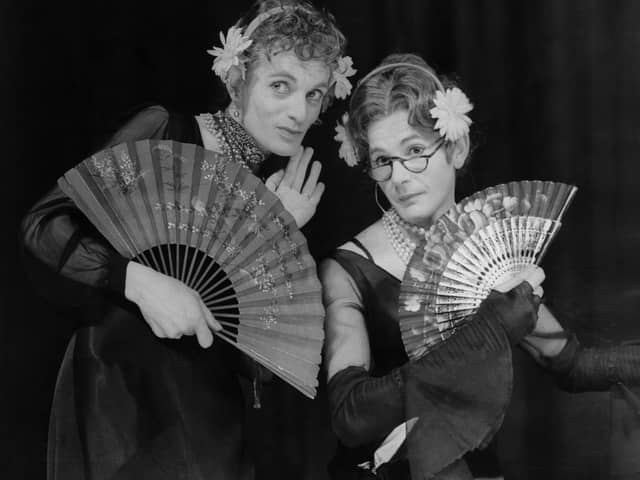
(288, 76)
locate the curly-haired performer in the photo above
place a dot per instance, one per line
(133, 398)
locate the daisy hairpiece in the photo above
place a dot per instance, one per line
(450, 113)
(341, 75)
(347, 150)
(237, 41)
(231, 53)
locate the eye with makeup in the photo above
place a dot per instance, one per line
(380, 160)
(315, 96)
(280, 87)
(415, 149)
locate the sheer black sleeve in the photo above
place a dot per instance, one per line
(58, 239)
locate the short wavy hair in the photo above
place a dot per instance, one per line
(300, 27)
(399, 88)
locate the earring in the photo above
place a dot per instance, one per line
(375, 194)
(235, 113)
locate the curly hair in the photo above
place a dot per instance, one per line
(300, 27)
(399, 88)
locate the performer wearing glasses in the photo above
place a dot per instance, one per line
(409, 130)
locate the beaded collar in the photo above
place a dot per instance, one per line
(401, 234)
(234, 140)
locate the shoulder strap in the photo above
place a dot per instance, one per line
(359, 244)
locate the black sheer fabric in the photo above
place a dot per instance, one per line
(128, 404)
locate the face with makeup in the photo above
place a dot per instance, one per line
(421, 197)
(281, 98)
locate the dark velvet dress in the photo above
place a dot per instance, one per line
(128, 404)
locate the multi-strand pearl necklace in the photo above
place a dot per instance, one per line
(400, 232)
(234, 140)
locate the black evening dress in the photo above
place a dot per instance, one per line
(374, 292)
(128, 405)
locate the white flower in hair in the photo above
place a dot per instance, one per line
(229, 55)
(450, 112)
(347, 152)
(340, 76)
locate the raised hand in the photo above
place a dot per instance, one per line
(169, 307)
(300, 198)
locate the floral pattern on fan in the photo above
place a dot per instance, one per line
(207, 220)
(479, 243)
(121, 171)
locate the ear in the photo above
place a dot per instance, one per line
(460, 151)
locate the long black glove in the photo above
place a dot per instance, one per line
(580, 369)
(365, 409)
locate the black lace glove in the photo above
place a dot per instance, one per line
(580, 369)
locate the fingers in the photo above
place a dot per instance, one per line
(312, 180)
(274, 180)
(317, 193)
(204, 335)
(292, 168)
(301, 171)
(534, 275)
(211, 320)
(155, 328)
(539, 291)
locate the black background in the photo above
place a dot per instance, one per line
(556, 89)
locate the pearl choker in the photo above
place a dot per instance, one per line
(400, 232)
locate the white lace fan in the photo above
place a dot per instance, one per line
(207, 221)
(478, 244)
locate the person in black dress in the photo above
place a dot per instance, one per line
(408, 129)
(143, 392)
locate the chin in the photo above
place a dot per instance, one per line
(284, 149)
(415, 215)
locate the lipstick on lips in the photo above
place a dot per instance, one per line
(290, 133)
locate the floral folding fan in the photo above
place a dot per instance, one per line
(481, 242)
(206, 220)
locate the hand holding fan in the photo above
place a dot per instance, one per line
(481, 242)
(206, 220)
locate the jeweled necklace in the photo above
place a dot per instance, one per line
(234, 140)
(400, 232)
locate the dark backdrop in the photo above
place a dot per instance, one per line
(555, 84)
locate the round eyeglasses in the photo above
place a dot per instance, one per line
(383, 168)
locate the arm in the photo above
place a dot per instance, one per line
(56, 235)
(576, 368)
(58, 240)
(365, 408)
(351, 389)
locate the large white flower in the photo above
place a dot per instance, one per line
(340, 76)
(450, 112)
(229, 55)
(346, 151)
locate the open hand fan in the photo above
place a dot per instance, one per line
(479, 243)
(201, 218)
